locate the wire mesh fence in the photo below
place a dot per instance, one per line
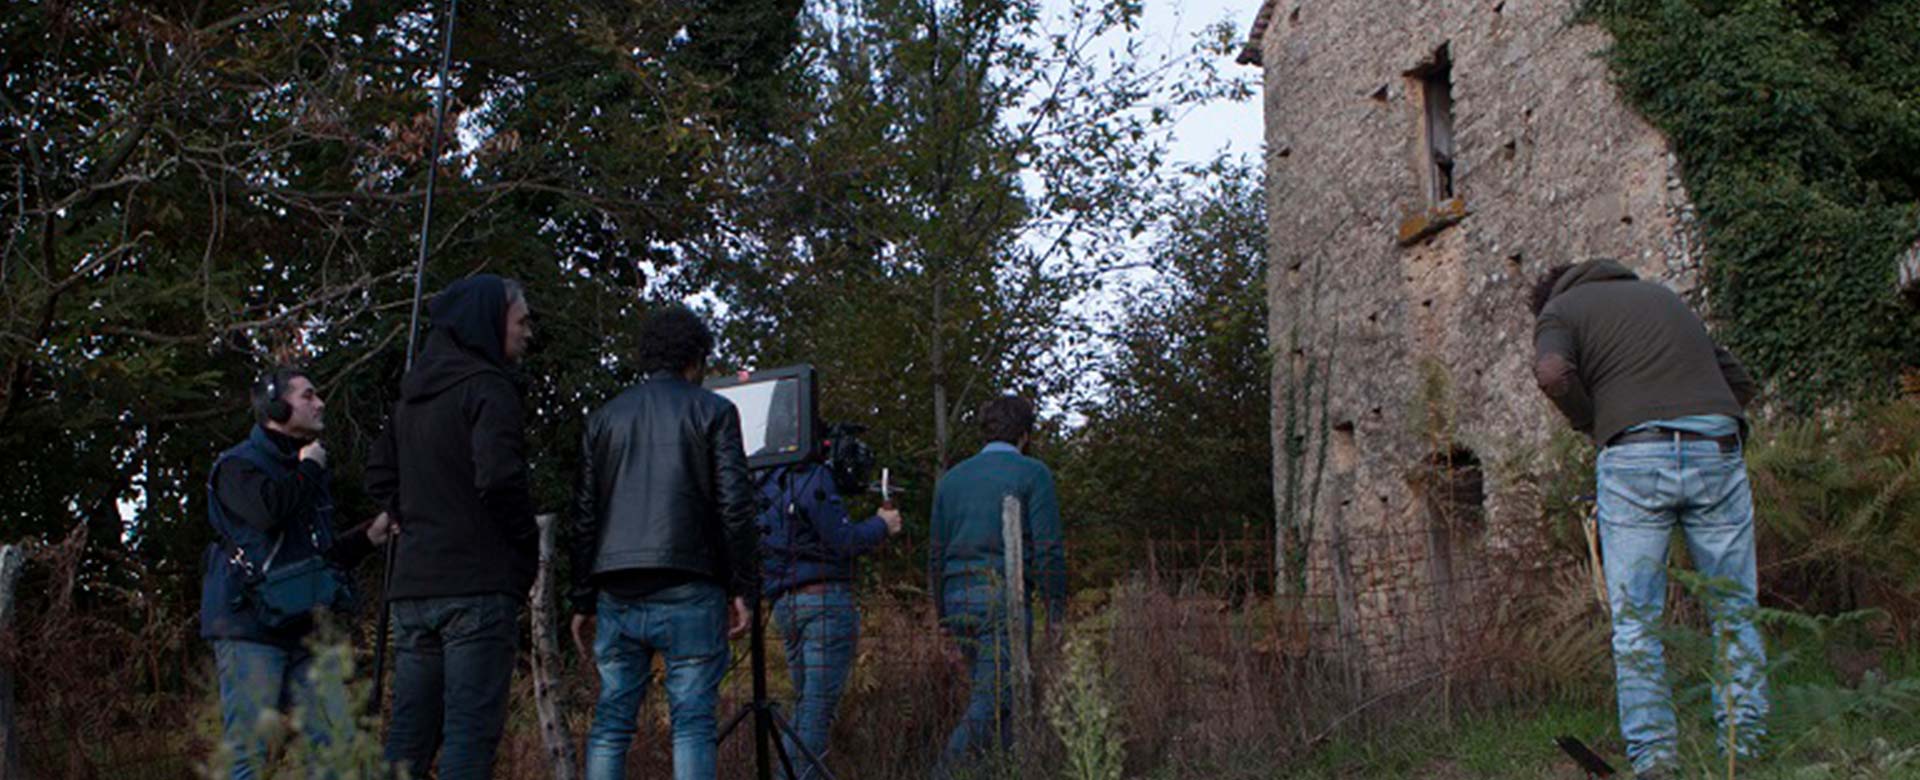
(1204, 657)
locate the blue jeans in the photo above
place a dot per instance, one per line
(976, 618)
(1645, 491)
(258, 678)
(687, 623)
(820, 631)
(451, 671)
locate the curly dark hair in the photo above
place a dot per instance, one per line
(674, 339)
(1543, 286)
(1006, 418)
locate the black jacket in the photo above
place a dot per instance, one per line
(452, 464)
(265, 501)
(663, 485)
(266, 504)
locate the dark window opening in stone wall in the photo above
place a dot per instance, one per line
(1456, 488)
(1435, 81)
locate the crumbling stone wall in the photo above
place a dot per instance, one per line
(1402, 336)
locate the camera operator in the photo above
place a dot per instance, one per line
(662, 534)
(807, 571)
(270, 505)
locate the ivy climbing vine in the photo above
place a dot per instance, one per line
(1797, 125)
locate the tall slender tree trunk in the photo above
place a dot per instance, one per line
(941, 434)
(942, 186)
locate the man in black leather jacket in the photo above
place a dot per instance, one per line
(663, 534)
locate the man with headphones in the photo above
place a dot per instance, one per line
(270, 507)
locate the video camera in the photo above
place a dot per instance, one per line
(780, 425)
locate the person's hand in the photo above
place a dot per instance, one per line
(738, 614)
(316, 452)
(891, 517)
(381, 529)
(583, 635)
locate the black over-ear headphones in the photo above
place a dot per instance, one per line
(278, 410)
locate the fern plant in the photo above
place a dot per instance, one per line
(1837, 505)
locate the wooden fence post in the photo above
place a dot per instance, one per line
(12, 561)
(1013, 538)
(546, 680)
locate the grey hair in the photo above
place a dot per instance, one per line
(515, 292)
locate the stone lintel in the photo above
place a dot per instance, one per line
(1438, 217)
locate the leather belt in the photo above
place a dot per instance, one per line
(818, 587)
(1730, 443)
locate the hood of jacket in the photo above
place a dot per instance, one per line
(468, 337)
(1597, 270)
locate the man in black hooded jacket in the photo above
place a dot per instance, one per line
(452, 466)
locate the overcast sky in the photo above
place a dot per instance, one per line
(1171, 26)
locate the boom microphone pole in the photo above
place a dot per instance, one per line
(413, 329)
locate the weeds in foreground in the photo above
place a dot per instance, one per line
(327, 735)
(1080, 708)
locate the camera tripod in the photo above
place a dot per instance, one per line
(771, 731)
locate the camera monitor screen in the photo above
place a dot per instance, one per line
(777, 411)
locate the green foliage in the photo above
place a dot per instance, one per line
(1837, 505)
(1876, 760)
(1811, 707)
(1176, 447)
(957, 182)
(353, 749)
(1562, 481)
(195, 192)
(1083, 714)
(1797, 125)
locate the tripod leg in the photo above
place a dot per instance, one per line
(734, 723)
(816, 765)
(779, 744)
(376, 700)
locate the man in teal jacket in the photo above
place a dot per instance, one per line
(968, 563)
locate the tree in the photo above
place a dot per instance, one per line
(1178, 448)
(193, 194)
(961, 176)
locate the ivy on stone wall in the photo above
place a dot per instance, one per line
(1797, 125)
(1303, 417)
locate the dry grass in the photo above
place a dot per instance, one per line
(106, 675)
(1207, 681)
(1206, 687)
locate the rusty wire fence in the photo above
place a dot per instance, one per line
(1203, 658)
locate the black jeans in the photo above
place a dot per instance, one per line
(450, 679)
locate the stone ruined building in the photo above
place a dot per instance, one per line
(1424, 162)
